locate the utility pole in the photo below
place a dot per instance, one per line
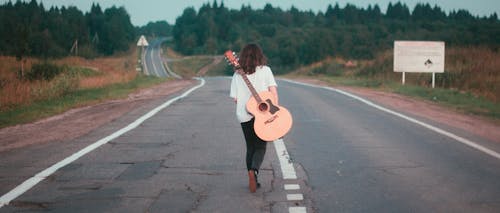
(74, 48)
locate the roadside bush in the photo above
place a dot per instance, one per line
(44, 71)
(58, 87)
(382, 64)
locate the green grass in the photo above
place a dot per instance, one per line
(459, 100)
(82, 71)
(46, 108)
(355, 82)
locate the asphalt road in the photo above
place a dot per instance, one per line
(361, 159)
(348, 157)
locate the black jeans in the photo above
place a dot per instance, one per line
(256, 147)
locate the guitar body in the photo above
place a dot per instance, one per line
(271, 120)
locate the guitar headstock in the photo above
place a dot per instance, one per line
(232, 60)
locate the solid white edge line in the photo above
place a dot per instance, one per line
(31, 182)
(428, 126)
(284, 159)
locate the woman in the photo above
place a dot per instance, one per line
(254, 64)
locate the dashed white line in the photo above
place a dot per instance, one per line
(294, 197)
(428, 126)
(164, 70)
(152, 62)
(288, 173)
(28, 184)
(285, 162)
(297, 209)
(292, 186)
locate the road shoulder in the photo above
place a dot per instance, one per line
(80, 121)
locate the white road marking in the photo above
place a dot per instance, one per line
(292, 186)
(428, 126)
(284, 159)
(152, 62)
(294, 197)
(165, 72)
(288, 173)
(28, 184)
(144, 64)
(297, 209)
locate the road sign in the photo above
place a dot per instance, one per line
(142, 41)
(419, 56)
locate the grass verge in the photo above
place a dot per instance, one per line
(78, 98)
(460, 100)
(189, 66)
(220, 69)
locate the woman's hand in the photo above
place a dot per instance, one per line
(274, 91)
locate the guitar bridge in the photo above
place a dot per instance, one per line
(270, 120)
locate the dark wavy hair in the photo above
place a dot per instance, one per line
(251, 57)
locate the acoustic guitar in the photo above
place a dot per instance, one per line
(272, 121)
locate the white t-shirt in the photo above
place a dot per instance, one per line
(261, 80)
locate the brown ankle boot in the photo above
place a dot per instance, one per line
(252, 183)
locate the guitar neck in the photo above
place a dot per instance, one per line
(231, 58)
(251, 88)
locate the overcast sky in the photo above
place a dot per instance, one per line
(143, 11)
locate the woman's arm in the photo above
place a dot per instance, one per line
(274, 91)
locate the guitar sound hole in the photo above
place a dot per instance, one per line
(263, 107)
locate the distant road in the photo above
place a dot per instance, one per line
(153, 60)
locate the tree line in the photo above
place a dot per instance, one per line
(289, 37)
(28, 29)
(155, 29)
(293, 37)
